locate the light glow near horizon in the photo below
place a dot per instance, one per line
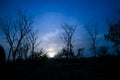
(50, 36)
(51, 54)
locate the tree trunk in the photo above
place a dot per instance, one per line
(9, 54)
(94, 48)
(14, 57)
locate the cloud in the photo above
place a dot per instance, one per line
(50, 35)
(51, 42)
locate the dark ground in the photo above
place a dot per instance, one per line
(88, 69)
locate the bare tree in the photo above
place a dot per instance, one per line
(6, 24)
(67, 36)
(92, 31)
(15, 29)
(24, 49)
(30, 44)
(33, 38)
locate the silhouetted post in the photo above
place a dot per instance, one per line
(2, 55)
(79, 51)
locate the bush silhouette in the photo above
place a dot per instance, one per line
(2, 55)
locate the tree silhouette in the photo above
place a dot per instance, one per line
(23, 49)
(62, 54)
(2, 55)
(92, 31)
(33, 39)
(67, 36)
(37, 55)
(15, 29)
(113, 34)
(103, 51)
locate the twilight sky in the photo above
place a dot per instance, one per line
(49, 15)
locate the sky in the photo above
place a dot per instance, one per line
(49, 15)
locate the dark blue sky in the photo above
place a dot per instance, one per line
(49, 15)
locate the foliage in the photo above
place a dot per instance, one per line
(113, 34)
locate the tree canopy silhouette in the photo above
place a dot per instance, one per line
(2, 55)
(113, 34)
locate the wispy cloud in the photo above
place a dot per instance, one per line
(51, 42)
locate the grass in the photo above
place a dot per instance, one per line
(62, 69)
